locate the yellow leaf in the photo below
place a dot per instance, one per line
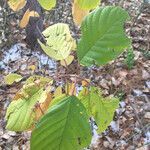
(12, 77)
(67, 61)
(70, 89)
(78, 13)
(16, 5)
(85, 82)
(58, 91)
(25, 20)
(74, 46)
(32, 67)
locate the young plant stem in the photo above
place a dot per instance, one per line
(74, 86)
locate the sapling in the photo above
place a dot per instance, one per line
(60, 120)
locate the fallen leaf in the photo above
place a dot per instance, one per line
(25, 20)
(67, 61)
(12, 77)
(16, 5)
(78, 13)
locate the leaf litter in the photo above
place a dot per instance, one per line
(131, 123)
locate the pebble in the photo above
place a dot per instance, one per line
(137, 92)
(5, 136)
(106, 144)
(11, 133)
(137, 55)
(115, 126)
(122, 104)
(145, 75)
(147, 115)
(148, 84)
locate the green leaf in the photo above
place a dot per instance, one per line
(57, 100)
(47, 4)
(64, 127)
(22, 112)
(102, 109)
(12, 77)
(103, 37)
(37, 78)
(88, 4)
(59, 41)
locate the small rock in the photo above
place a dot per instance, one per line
(145, 147)
(137, 55)
(112, 143)
(145, 75)
(137, 92)
(115, 82)
(5, 136)
(122, 104)
(11, 133)
(106, 144)
(131, 147)
(15, 147)
(1, 132)
(148, 84)
(104, 83)
(115, 126)
(147, 115)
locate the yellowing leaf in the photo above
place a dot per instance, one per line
(25, 20)
(33, 100)
(16, 5)
(67, 61)
(32, 67)
(59, 41)
(11, 78)
(102, 109)
(70, 89)
(39, 81)
(85, 82)
(43, 106)
(74, 46)
(88, 4)
(78, 13)
(58, 91)
(47, 4)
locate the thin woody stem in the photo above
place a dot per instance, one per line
(38, 106)
(74, 87)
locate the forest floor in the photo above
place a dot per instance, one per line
(130, 129)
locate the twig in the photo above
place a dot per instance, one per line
(140, 123)
(74, 87)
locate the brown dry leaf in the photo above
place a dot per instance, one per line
(17, 96)
(78, 13)
(25, 20)
(16, 5)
